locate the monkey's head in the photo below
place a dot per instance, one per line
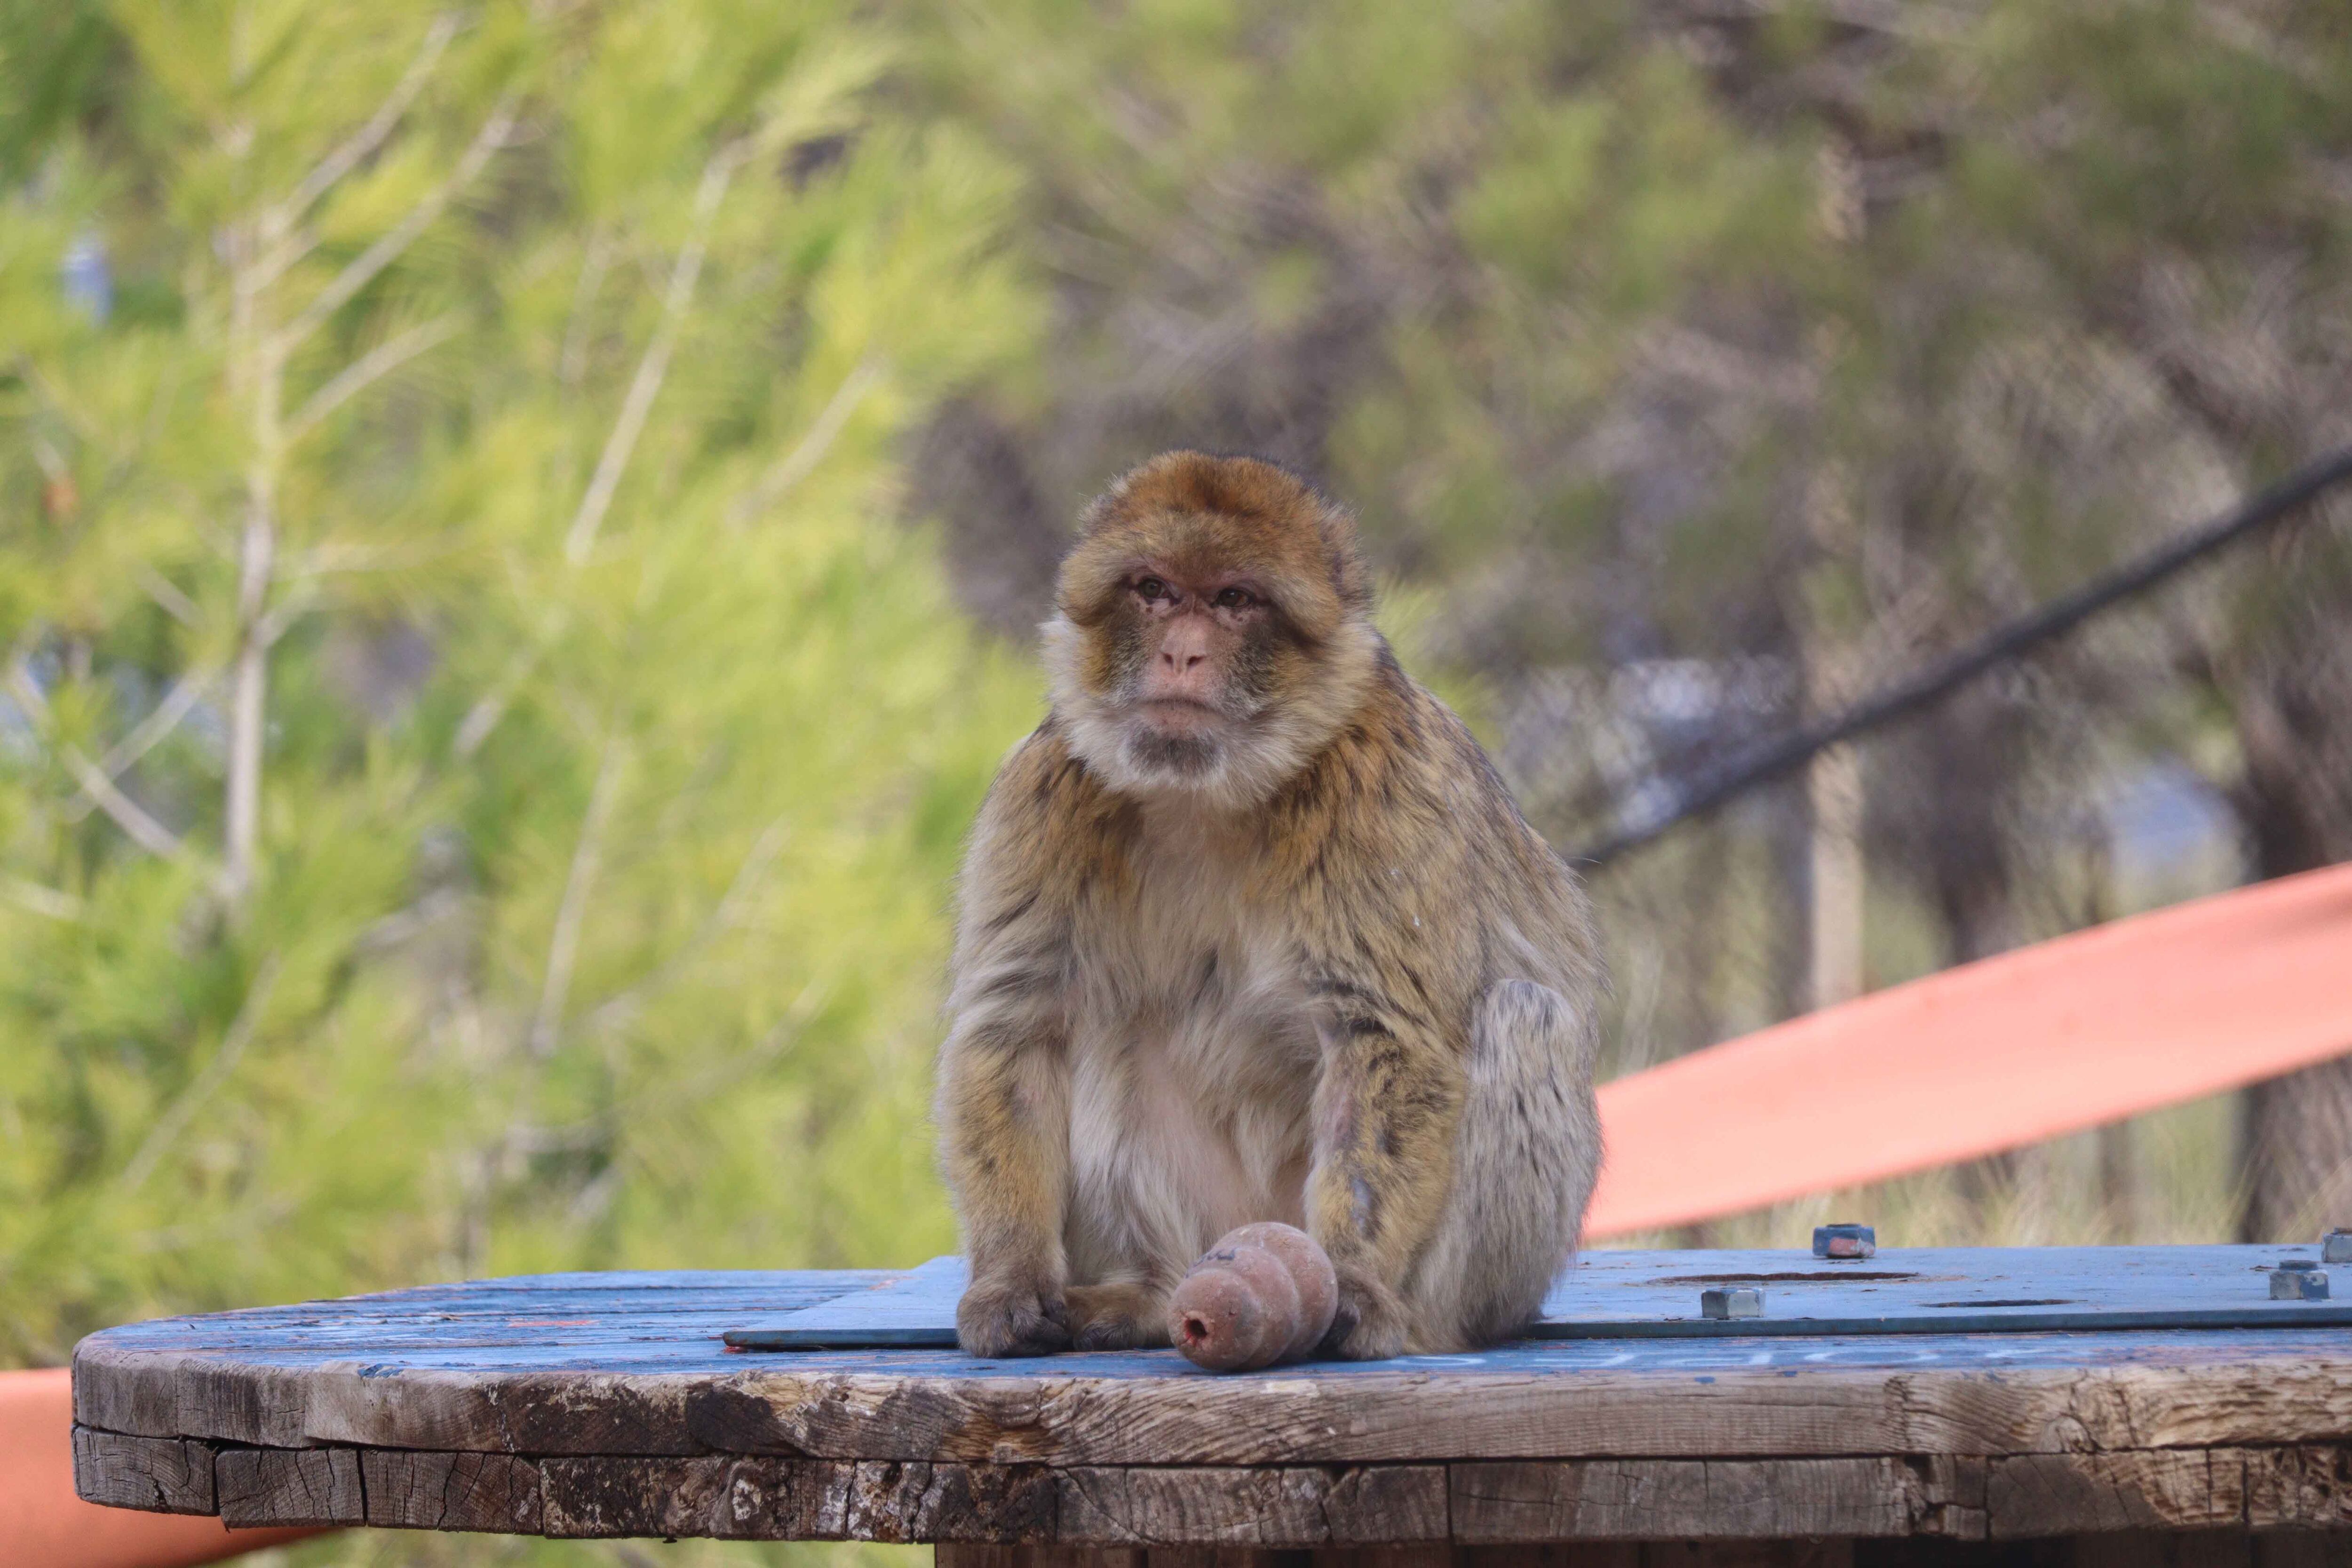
(1214, 631)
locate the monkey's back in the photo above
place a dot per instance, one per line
(1403, 837)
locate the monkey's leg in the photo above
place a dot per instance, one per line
(1527, 1152)
(1005, 1123)
(1385, 1108)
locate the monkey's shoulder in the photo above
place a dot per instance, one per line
(1407, 783)
(1047, 817)
(1405, 760)
(1044, 779)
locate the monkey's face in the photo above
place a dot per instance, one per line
(1190, 656)
(1212, 634)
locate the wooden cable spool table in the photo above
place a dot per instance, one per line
(1941, 1407)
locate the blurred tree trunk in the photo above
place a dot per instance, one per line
(1970, 768)
(2295, 724)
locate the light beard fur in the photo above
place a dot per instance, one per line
(1234, 767)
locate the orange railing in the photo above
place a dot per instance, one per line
(2090, 1028)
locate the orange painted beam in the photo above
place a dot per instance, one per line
(43, 1523)
(2093, 1027)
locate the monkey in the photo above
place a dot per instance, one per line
(1250, 927)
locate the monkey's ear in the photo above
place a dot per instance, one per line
(1343, 553)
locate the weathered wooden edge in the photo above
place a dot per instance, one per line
(1510, 1502)
(494, 1492)
(1362, 1418)
(387, 1487)
(289, 1486)
(1469, 1503)
(155, 1475)
(768, 1500)
(168, 1395)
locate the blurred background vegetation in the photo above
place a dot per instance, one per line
(521, 525)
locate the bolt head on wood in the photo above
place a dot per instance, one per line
(2336, 1246)
(1732, 1301)
(1844, 1241)
(2298, 1279)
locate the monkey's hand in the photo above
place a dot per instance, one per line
(1370, 1322)
(1009, 1317)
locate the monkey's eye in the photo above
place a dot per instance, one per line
(1153, 588)
(1235, 599)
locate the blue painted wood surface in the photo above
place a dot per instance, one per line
(1655, 1295)
(638, 1323)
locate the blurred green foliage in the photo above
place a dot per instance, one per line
(522, 452)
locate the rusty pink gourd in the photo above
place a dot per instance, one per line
(1264, 1293)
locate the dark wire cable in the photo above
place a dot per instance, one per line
(2053, 620)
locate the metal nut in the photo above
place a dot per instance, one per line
(2335, 1246)
(1732, 1301)
(2298, 1279)
(1844, 1241)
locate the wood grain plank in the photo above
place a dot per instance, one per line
(289, 1486)
(2071, 1494)
(2211, 1496)
(366, 1403)
(409, 1490)
(1535, 1501)
(1283, 1507)
(1360, 1417)
(2298, 1488)
(1373, 1417)
(160, 1475)
(890, 1500)
(727, 1498)
(1387, 1504)
(774, 1499)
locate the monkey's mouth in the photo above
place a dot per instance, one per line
(1182, 713)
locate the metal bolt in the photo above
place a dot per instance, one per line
(1845, 1241)
(1737, 1302)
(2335, 1246)
(2298, 1279)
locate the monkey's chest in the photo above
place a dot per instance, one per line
(1191, 1088)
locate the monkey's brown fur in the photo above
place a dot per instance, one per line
(1311, 967)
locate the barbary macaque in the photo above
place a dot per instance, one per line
(1250, 930)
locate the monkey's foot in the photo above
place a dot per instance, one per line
(1370, 1322)
(1005, 1318)
(1117, 1317)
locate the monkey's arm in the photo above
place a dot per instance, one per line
(1004, 1108)
(1386, 1107)
(1004, 1123)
